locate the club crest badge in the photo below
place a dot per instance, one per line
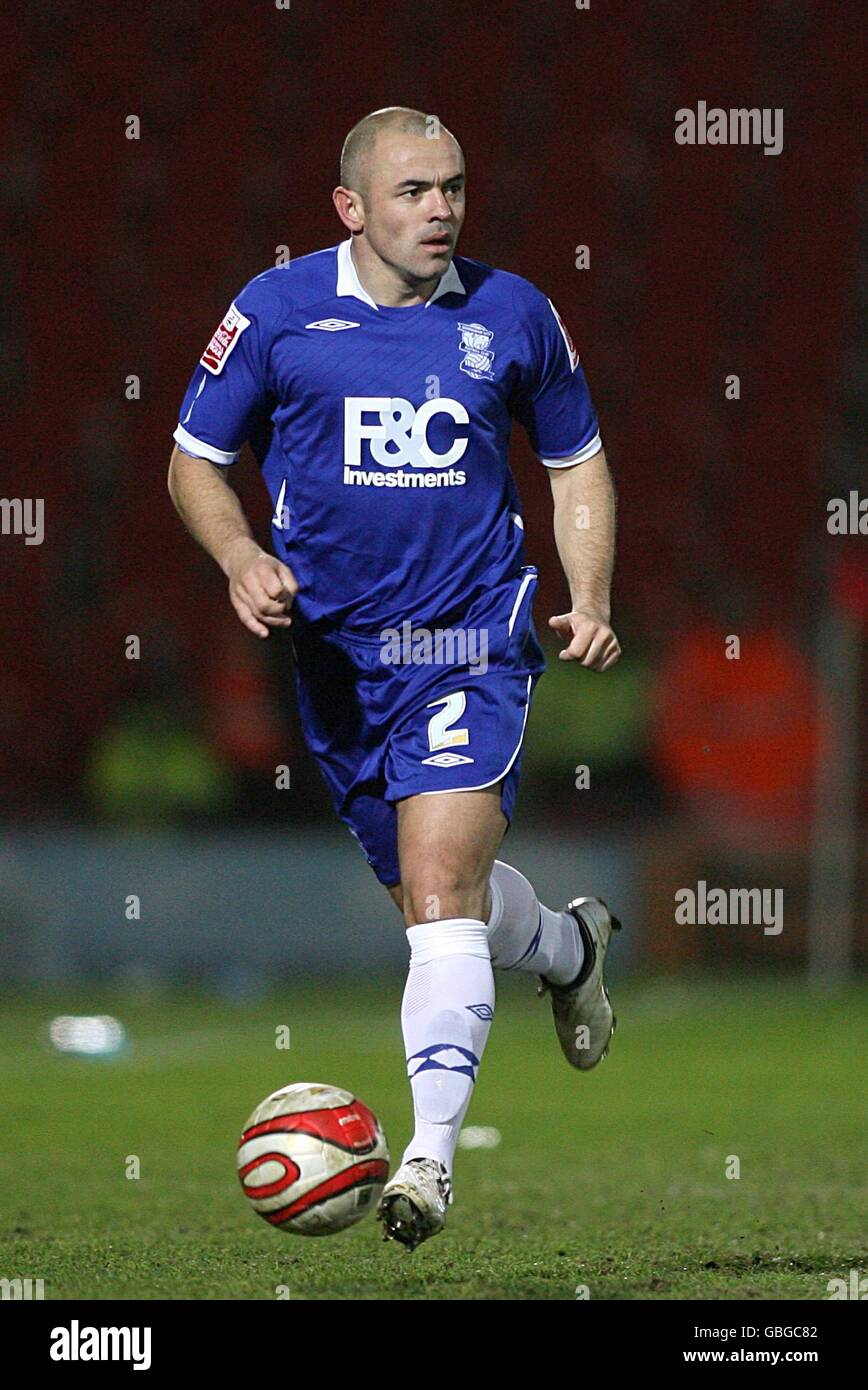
(476, 346)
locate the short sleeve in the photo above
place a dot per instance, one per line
(551, 398)
(228, 390)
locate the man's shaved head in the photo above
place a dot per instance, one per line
(359, 144)
(402, 198)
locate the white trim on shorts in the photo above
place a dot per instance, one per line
(518, 598)
(441, 791)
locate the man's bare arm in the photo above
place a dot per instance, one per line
(261, 587)
(584, 526)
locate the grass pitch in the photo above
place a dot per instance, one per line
(615, 1180)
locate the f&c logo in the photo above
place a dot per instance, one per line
(399, 436)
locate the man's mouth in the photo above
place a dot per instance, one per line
(442, 240)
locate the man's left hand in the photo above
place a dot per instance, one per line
(589, 639)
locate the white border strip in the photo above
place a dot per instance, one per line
(191, 445)
(587, 451)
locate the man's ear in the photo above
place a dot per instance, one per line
(349, 208)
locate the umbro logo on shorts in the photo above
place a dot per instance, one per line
(447, 759)
(332, 325)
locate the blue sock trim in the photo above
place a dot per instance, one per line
(532, 948)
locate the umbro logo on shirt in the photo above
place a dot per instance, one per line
(332, 325)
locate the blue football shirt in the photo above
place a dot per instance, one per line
(382, 432)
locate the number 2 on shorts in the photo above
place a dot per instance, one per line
(440, 735)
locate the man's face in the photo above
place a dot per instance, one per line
(414, 202)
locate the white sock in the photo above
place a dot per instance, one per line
(525, 935)
(446, 1015)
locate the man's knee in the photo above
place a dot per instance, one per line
(446, 848)
(433, 894)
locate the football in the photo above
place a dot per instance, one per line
(312, 1159)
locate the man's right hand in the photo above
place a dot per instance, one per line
(261, 587)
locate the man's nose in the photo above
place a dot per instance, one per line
(440, 205)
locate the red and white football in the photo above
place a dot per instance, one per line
(312, 1159)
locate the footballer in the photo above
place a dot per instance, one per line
(376, 382)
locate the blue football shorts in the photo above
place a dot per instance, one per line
(419, 711)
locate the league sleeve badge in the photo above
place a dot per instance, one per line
(227, 335)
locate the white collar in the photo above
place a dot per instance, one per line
(349, 282)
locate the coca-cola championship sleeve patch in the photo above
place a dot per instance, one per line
(224, 340)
